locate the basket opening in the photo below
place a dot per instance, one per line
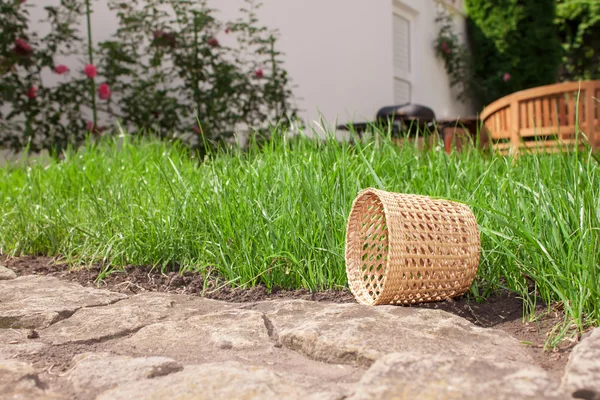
(368, 247)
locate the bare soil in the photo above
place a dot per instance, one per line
(503, 310)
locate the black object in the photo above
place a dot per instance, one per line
(408, 118)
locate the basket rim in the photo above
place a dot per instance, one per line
(359, 296)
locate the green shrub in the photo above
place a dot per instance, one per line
(34, 114)
(578, 23)
(455, 55)
(164, 70)
(515, 45)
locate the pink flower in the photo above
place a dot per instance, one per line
(227, 31)
(22, 47)
(61, 69)
(97, 130)
(32, 92)
(91, 71)
(445, 48)
(259, 73)
(104, 91)
(506, 77)
(213, 42)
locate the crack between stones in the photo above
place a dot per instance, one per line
(103, 339)
(250, 306)
(66, 314)
(164, 371)
(271, 330)
(36, 380)
(345, 358)
(108, 304)
(9, 322)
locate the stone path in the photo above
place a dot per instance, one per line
(59, 340)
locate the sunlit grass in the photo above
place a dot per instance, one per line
(277, 214)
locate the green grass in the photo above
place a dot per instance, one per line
(276, 214)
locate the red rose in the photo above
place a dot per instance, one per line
(97, 130)
(32, 92)
(259, 73)
(22, 47)
(91, 71)
(61, 69)
(213, 42)
(445, 48)
(104, 91)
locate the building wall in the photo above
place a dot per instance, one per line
(339, 53)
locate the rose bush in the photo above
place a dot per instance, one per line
(171, 68)
(32, 112)
(454, 54)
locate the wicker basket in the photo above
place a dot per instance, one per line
(406, 249)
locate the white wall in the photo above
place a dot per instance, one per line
(339, 53)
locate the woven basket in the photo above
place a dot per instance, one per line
(406, 249)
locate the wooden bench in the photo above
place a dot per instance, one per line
(545, 118)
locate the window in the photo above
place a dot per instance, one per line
(402, 57)
(401, 91)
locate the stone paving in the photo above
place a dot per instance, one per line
(59, 340)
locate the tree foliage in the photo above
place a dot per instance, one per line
(578, 22)
(515, 45)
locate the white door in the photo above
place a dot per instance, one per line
(402, 26)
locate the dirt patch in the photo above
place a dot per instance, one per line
(135, 279)
(503, 310)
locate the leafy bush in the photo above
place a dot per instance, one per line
(167, 79)
(164, 70)
(455, 55)
(578, 22)
(515, 45)
(32, 113)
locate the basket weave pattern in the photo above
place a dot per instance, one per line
(405, 249)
